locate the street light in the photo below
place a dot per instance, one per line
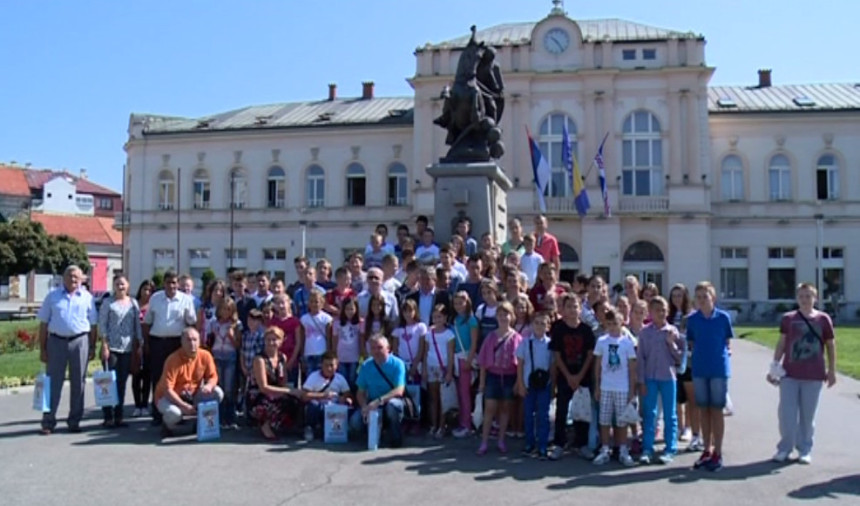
(232, 209)
(819, 244)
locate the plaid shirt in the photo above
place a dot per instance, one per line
(252, 345)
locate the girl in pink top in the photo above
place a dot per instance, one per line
(498, 362)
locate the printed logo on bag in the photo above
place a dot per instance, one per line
(209, 415)
(103, 384)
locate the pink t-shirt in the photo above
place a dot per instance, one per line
(500, 357)
(547, 247)
(804, 347)
(347, 340)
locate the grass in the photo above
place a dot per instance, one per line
(20, 367)
(847, 345)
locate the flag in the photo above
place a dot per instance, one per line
(598, 160)
(540, 169)
(580, 197)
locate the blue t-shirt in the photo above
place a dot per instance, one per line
(374, 384)
(463, 332)
(710, 343)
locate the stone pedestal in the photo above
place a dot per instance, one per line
(476, 190)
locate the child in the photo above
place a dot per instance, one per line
(523, 325)
(340, 292)
(498, 363)
(356, 271)
(486, 312)
(534, 359)
(531, 261)
(615, 375)
(688, 413)
(407, 340)
(622, 305)
(224, 341)
(427, 253)
(638, 315)
(252, 342)
(438, 367)
(375, 322)
(322, 387)
(282, 317)
(314, 333)
(465, 327)
(658, 355)
(346, 339)
(708, 331)
(268, 312)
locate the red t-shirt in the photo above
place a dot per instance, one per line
(289, 325)
(334, 296)
(538, 293)
(547, 246)
(804, 346)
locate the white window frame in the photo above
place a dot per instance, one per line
(782, 192)
(164, 259)
(550, 142)
(166, 190)
(732, 179)
(784, 258)
(315, 186)
(832, 169)
(279, 180)
(201, 186)
(733, 258)
(314, 255)
(634, 139)
(398, 176)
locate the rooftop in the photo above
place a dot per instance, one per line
(787, 98)
(86, 229)
(13, 181)
(37, 178)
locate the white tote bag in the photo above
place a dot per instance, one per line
(448, 396)
(478, 413)
(580, 405)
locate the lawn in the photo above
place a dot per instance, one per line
(20, 367)
(847, 345)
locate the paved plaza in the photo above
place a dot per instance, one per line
(132, 466)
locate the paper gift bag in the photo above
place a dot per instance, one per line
(335, 423)
(208, 421)
(448, 397)
(104, 389)
(374, 427)
(42, 393)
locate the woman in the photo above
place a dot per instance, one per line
(140, 384)
(270, 401)
(214, 293)
(458, 245)
(805, 335)
(324, 273)
(119, 327)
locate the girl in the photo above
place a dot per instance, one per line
(632, 289)
(346, 340)
(511, 284)
(458, 246)
(547, 282)
(638, 314)
(650, 291)
(314, 333)
(596, 289)
(119, 328)
(486, 312)
(465, 327)
(524, 312)
(224, 340)
(214, 293)
(282, 317)
(268, 312)
(622, 306)
(140, 364)
(407, 340)
(689, 421)
(438, 361)
(375, 322)
(498, 363)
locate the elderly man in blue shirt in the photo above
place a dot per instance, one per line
(67, 336)
(381, 385)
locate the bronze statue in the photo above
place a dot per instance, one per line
(473, 106)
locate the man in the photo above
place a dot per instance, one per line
(67, 315)
(464, 228)
(300, 263)
(303, 293)
(427, 296)
(515, 237)
(545, 243)
(374, 287)
(263, 294)
(427, 253)
(472, 283)
(381, 385)
(244, 302)
(170, 311)
(189, 378)
(389, 269)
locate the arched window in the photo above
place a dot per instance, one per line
(644, 260)
(397, 184)
(827, 178)
(356, 185)
(643, 251)
(316, 186)
(568, 254)
(238, 188)
(201, 187)
(569, 263)
(550, 142)
(732, 178)
(166, 190)
(276, 187)
(642, 155)
(779, 178)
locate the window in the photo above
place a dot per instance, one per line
(202, 193)
(780, 253)
(275, 262)
(628, 54)
(315, 254)
(781, 273)
(106, 203)
(827, 178)
(274, 254)
(84, 202)
(550, 141)
(734, 273)
(732, 178)
(199, 254)
(832, 253)
(649, 54)
(276, 187)
(238, 253)
(163, 259)
(397, 184)
(734, 253)
(166, 187)
(834, 287)
(356, 185)
(642, 156)
(238, 188)
(316, 186)
(779, 176)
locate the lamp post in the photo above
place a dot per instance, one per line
(232, 210)
(819, 245)
(304, 227)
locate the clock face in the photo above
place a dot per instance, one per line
(556, 41)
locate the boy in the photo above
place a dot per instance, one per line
(322, 387)
(389, 268)
(303, 293)
(534, 359)
(278, 286)
(572, 343)
(457, 270)
(262, 294)
(252, 342)
(427, 253)
(340, 292)
(658, 355)
(374, 254)
(709, 330)
(615, 378)
(355, 263)
(464, 228)
(530, 261)
(244, 302)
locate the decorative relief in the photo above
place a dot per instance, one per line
(276, 155)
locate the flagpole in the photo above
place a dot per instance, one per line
(592, 159)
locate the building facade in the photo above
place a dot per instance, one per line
(737, 184)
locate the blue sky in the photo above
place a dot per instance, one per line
(73, 71)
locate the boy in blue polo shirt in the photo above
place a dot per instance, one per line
(709, 330)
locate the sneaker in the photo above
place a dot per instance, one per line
(542, 455)
(233, 426)
(780, 457)
(805, 459)
(626, 460)
(461, 432)
(439, 434)
(586, 453)
(528, 451)
(696, 444)
(482, 450)
(520, 435)
(602, 457)
(667, 458)
(703, 459)
(715, 463)
(685, 435)
(136, 413)
(309, 434)
(645, 459)
(556, 453)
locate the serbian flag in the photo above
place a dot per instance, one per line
(598, 160)
(580, 197)
(540, 169)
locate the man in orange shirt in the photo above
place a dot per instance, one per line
(189, 378)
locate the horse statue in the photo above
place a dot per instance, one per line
(473, 106)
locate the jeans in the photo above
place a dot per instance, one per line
(464, 394)
(315, 414)
(798, 402)
(349, 370)
(392, 419)
(172, 415)
(536, 408)
(711, 392)
(159, 349)
(562, 407)
(121, 363)
(226, 367)
(666, 391)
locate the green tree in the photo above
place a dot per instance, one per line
(64, 251)
(7, 261)
(207, 277)
(158, 279)
(28, 244)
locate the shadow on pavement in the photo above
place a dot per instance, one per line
(844, 485)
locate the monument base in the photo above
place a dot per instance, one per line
(474, 190)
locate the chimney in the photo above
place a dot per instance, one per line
(367, 90)
(332, 92)
(764, 78)
(83, 173)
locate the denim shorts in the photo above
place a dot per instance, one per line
(499, 387)
(711, 392)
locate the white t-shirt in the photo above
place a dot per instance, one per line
(391, 285)
(409, 340)
(427, 255)
(315, 333)
(442, 340)
(615, 355)
(316, 382)
(529, 265)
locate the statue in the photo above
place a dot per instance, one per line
(473, 106)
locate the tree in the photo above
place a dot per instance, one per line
(64, 251)
(27, 246)
(207, 277)
(158, 279)
(7, 262)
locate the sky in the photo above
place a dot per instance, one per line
(72, 72)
